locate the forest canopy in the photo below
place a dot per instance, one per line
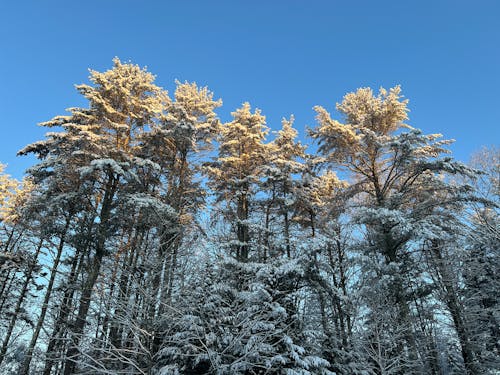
(150, 237)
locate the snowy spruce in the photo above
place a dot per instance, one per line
(152, 238)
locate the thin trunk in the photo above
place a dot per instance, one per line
(61, 324)
(22, 296)
(336, 303)
(287, 234)
(343, 282)
(165, 274)
(139, 309)
(5, 277)
(12, 242)
(48, 293)
(313, 223)
(267, 245)
(9, 240)
(286, 221)
(72, 353)
(6, 286)
(128, 331)
(111, 336)
(171, 274)
(116, 328)
(456, 311)
(62, 318)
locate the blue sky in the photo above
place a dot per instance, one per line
(282, 56)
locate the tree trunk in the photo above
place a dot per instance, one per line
(22, 296)
(73, 352)
(117, 326)
(243, 230)
(455, 310)
(9, 239)
(287, 234)
(65, 308)
(84, 304)
(6, 286)
(48, 293)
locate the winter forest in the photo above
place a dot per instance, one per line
(150, 237)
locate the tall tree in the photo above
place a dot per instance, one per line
(237, 170)
(98, 150)
(7, 191)
(114, 257)
(282, 169)
(400, 193)
(482, 262)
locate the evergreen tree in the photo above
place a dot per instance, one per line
(242, 320)
(237, 170)
(125, 250)
(482, 262)
(95, 157)
(281, 181)
(401, 197)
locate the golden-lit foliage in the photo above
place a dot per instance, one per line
(242, 151)
(13, 196)
(366, 117)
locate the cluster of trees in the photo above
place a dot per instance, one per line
(151, 238)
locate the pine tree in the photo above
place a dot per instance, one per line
(281, 179)
(237, 170)
(12, 197)
(128, 250)
(482, 262)
(7, 191)
(400, 192)
(242, 320)
(94, 157)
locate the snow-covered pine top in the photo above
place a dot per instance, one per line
(242, 151)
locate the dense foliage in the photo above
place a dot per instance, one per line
(151, 238)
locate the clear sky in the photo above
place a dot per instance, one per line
(282, 56)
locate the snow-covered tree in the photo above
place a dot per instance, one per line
(236, 171)
(241, 319)
(91, 162)
(19, 264)
(134, 246)
(401, 195)
(482, 263)
(281, 183)
(12, 197)
(7, 191)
